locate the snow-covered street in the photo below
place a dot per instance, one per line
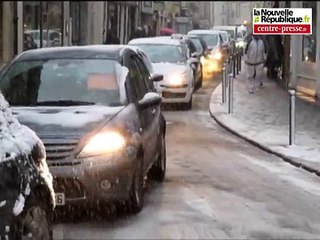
(217, 186)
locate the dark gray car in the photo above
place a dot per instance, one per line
(100, 120)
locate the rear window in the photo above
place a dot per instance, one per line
(198, 44)
(163, 52)
(210, 39)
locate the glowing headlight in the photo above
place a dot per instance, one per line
(176, 79)
(217, 55)
(240, 44)
(202, 59)
(103, 143)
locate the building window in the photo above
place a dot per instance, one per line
(43, 24)
(309, 42)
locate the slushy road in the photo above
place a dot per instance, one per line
(217, 186)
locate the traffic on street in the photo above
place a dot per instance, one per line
(170, 128)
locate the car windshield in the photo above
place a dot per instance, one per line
(224, 37)
(210, 39)
(231, 32)
(163, 53)
(39, 82)
(36, 34)
(198, 44)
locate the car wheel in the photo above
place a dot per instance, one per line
(34, 224)
(136, 199)
(188, 105)
(201, 78)
(158, 170)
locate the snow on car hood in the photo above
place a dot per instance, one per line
(168, 69)
(16, 143)
(61, 121)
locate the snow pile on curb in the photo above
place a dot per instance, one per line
(270, 139)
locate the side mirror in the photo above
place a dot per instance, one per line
(193, 60)
(193, 66)
(149, 100)
(195, 54)
(156, 77)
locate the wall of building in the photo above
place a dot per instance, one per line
(305, 57)
(232, 13)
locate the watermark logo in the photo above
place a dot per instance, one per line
(282, 21)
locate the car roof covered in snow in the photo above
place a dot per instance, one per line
(155, 40)
(224, 27)
(201, 31)
(79, 52)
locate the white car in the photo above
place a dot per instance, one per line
(50, 38)
(168, 59)
(216, 55)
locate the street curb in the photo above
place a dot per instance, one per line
(263, 147)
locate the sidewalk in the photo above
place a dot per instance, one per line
(263, 119)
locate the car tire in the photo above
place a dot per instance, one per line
(158, 170)
(136, 198)
(199, 83)
(34, 221)
(201, 78)
(188, 105)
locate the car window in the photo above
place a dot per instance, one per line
(185, 51)
(54, 35)
(197, 44)
(192, 47)
(147, 62)
(224, 37)
(28, 83)
(220, 39)
(136, 79)
(163, 52)
(146, 77)
(210, 39)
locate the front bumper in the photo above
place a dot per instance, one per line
(175, 94)
(94, 179)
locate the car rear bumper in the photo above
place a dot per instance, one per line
(95, 179)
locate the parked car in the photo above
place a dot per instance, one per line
(29, 43)
(202, 48)
(237, 37)
(103, 130)
(50, 38)
(26, 192)
(169, 59)
(192, 53)
(214, 62)
(227, 41)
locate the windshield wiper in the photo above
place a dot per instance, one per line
(63, 103)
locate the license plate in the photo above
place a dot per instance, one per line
(60, 199)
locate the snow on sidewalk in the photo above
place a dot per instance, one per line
(263, 117)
